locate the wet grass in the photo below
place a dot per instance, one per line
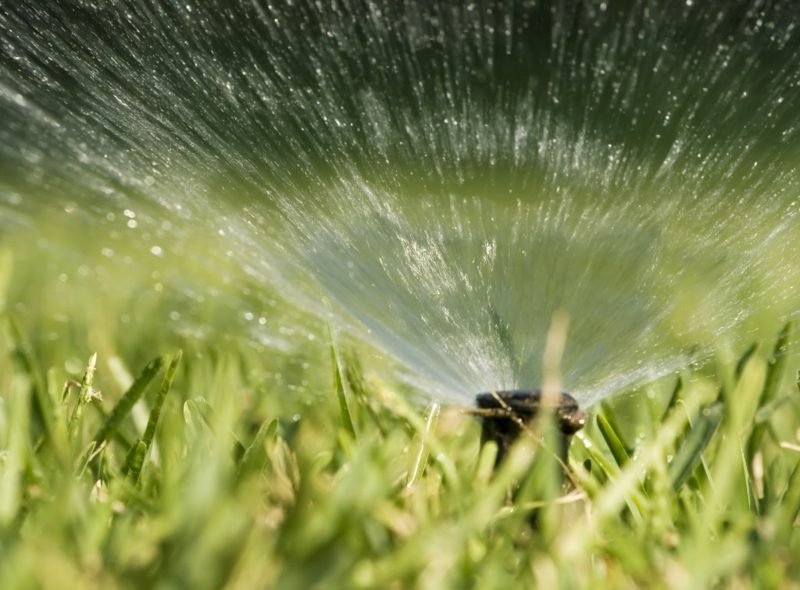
(199, 471)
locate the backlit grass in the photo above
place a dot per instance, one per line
(145, 467)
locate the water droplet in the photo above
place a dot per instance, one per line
(73, 366)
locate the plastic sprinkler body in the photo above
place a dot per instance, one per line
(505, 414)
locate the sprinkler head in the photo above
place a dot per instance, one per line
(505, 414)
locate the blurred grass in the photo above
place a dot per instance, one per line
(292, 467)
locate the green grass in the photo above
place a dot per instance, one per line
(202, 471)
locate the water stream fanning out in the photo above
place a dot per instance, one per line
(445, 175)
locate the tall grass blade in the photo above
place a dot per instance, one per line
(158, 402)
(690, 454)
(790, 506)
(198, 416)
(138, 453)
(85, 458)
(748, 354)
(255, 451)
(613, 441)
(775, 371)
(128, 400)
(765, 412)
(6, 267)
(42, 405)
(673, 398)
(341, 396)
(134, 461)
(14, 445)
(423, 450)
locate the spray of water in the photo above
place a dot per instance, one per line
(446, 175)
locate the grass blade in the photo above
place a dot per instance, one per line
(138, 453)
(85, 458)
(255, 450)
(690, 454)
(14, 448)
(128, 400)
(673, 398)
(341, 396)
(775, 370)
(422, 451)
(42, 405)
(766, 411)
(198, 416)
(748, 354)
(158, 403)
(790, 505)
(6, 267)
(612, 440)
(135, 460)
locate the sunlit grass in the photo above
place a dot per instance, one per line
(203, 472)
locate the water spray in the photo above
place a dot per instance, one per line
(444, 178)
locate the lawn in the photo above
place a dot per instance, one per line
(137, 454)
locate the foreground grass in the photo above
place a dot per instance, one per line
(199, 471)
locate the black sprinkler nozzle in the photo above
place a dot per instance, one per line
(505, 414)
